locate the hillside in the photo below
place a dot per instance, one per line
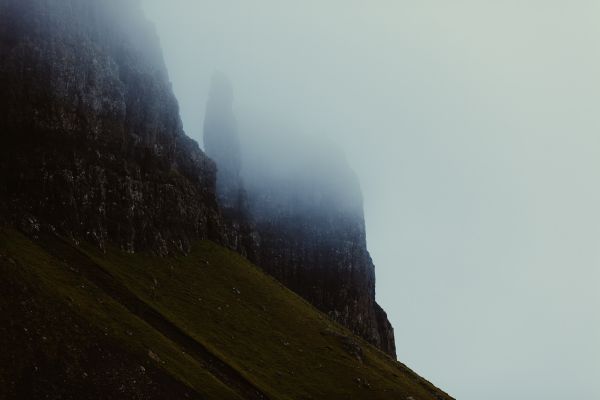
(122, 274)
(92, 146)
(77, 322)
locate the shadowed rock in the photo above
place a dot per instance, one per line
(91, 142)
(305, 202)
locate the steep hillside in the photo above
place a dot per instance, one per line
(92, 146)
(118, 276)
(78, 324)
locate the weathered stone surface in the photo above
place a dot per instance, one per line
(91, 139)
(313, 239)
(92, 145)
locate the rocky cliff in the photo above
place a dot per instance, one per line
(305, 202)
(92, 143)
(313, 239)
(222, 143)
(92, 147)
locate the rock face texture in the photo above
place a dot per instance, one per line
(313, 239)
(91, 139)
(92, 146)
(306, 204)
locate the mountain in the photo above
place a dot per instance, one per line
(313, 237)
(305, 202)
(122, 272)
(92, 141)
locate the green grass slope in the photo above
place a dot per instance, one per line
(83, 324)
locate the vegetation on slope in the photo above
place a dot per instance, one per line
(205, 325)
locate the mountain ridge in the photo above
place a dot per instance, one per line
(93, 152)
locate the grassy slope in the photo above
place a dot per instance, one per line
(271, 336)
(57, 287)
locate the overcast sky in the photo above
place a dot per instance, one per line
(474, 127)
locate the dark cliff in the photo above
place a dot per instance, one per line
(92, 146)
(313, 239)
(92, 143)
(306, 204)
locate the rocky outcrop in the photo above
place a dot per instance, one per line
(313, 239)
(91, 143)
(306, 204)
(92, 146)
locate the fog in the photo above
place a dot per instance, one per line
(473, 127)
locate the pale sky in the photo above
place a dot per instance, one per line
(474, 127)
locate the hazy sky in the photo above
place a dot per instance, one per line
(474, 127)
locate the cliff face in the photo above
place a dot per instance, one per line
(91, 139)
(92, 146)
(306, 204)
(313, 239)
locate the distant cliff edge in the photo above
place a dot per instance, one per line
(305, 202)
(92, 147)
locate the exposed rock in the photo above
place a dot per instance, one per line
(313, 237)
(92, 143)
(154, 356)
(306, 204)
(92, 147)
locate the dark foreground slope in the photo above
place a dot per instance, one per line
(92, 149)
(77, 323)
(313, 236)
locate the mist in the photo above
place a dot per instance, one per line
(473, 130)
